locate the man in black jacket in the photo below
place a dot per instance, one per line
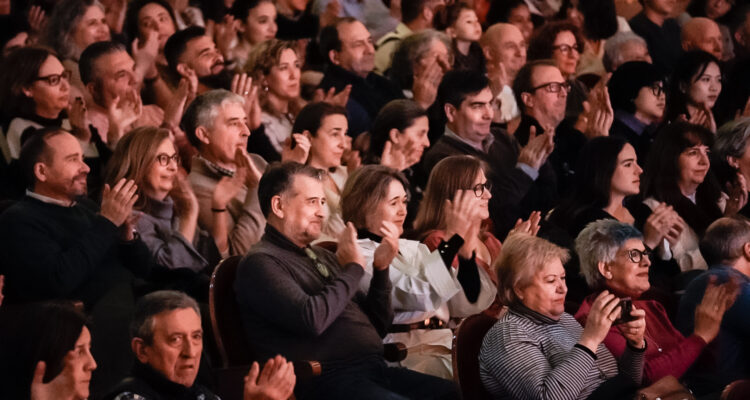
(304, 301)
(55, 246)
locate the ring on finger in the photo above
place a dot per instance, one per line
(245, 93)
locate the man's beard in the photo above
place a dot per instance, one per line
(222, 80)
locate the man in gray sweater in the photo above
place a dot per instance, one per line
(303, 301)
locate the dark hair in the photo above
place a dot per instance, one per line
(522, 83)
(457, 85)
(500, 10)
(599, 17)
(690, 67)
(241, 8)
(662, 172)
(410, 51)
(132, 30)
(177, 43)
(593, 180)
(446, 16)
(411, 9)
(329, 37)
(397, 114)
(541, 44)
(31, 333)
(93, 53)
(626, 83)
(10, 27)
(34, 150)
(364, 189)
(155, 303)
(20, 70)
(278, 178)
(697, 8)
(312, 115)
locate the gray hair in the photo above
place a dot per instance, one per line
(203, 111)
(152, 304)
(612, 54)
(599, 242)
(724, 238)
(410, 51)
(732, 139)
(62, 25)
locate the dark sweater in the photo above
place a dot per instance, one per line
(663, 42)
(149, 384)
(288, 307)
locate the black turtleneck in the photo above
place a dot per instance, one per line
(150, 384)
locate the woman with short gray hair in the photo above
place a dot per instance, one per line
(731, 148)
(615, 260)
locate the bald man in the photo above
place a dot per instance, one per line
(702, 34)
(505, 52)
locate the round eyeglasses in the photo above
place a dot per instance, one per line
(566, 48)
(164, 159)
(636, 255)
(479, 188)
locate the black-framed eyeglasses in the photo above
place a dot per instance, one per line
(479, 188)
(657, 89)
(566, 48)
(553, 87)
(164, 159)
(636, 255)
(54, 79)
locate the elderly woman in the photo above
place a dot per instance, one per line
(636, 91)
(731, 149)
(46, 354)
(678, 173)
(624, 47)
(73, 26)
(536, 350)
(614, 258)
(427, 289)
(167, 208)
(419, 64)
(694, 87)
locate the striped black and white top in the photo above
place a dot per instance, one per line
(526, 355)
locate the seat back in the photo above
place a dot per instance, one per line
(467, 340)
(225, 315)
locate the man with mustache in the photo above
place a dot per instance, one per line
(58, 246)
(167, 340)
(350, 53)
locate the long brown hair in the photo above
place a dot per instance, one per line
(133, 156)
(447, 177)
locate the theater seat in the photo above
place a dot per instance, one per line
(467, 340)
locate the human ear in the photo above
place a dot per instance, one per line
(450, 111)
(604, 269)
(733, 162)
(277, 206)
(139, 349)
(40, 171)
(202, 134)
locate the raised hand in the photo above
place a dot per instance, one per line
(634, 330)
(252, 173)
(185, 201)
(331, 97)
(330, 13)
(737, 191)
(121, 114)
(528, 227)
(37, 20)
(176, 107)
(537, 149)
(117, 202)
(461, 214)
(393, 157)
(275, 382)
(225, 33)
(388, 247)
(717, 299)
(227, 189)
(604, 310)
(301, 148)
(242, 85)
(348, 250)
(46, 391)
(145, 54)
(426, 82)
(350, 158)
(79, 119)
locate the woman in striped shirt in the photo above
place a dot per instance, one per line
(537, 351)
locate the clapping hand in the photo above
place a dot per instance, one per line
(388, 247)
(301, 148)
(348, 250)
(118, 201)
(331, 97)
(275, 382)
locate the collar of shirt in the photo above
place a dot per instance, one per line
(217, 169)
(50, 200)
(277, 238)
(366, 234)
(631, 122)
(486, 143)
(521, 309)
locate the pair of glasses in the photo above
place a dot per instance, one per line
(636, 255)
(566, 48)
(165, 158)
(657, 89)
(54, 79)
(479, 188)
(553, 87)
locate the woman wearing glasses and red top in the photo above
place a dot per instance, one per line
(614, 259)
(166, 209)
(34, 94)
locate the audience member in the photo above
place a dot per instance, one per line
(624, 47)
(662, 33)
(703, 34)
(694, 87)
(304, 301)
(257, 23)
(720, 12)
(57, 246)
(427, 290)
(725, 246)
(416, 16)
(459, 21)
(223, 175)
(514, 12)
(504, 48)
(46, 352)
(191, 53)
(348, 48)
(731, 152)
(167, 340)
(615, 259)
(637, 92)
(379, 17)
(597, 21)
(530, 342)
